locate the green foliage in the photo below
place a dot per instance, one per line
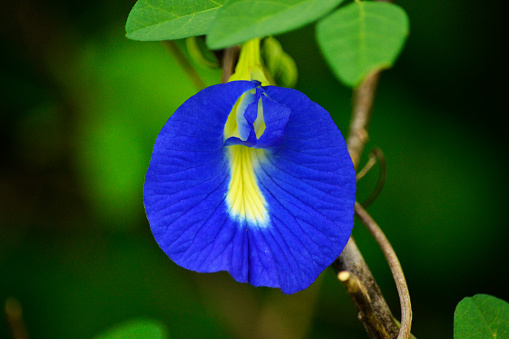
(481, 316)
(362, 37)
(356, 39)
(240, 20)
(152, 20)
(136, 329)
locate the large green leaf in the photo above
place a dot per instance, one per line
(136, 329)
(241, 20)
(481, 316)
(362, 37)
(152, 20)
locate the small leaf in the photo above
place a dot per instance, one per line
(481, 316)
(136, 329)
(240, 20)
(153, 20)
(362, 37)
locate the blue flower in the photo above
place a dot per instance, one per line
(254, 180)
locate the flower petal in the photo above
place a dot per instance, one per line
(187, 180)
(275, 214)
(309, 185)
(275, 116)
(261, 130)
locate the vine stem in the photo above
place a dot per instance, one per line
(362, 302)
(364, 96)
(351, 259)
(394, 265)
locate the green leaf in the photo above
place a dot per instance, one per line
(136, 329)
(362, 37)
(481, 316)
(152, 20)
(241, 20)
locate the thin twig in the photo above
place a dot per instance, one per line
(362, 302)
(186, 66)
(395, 266)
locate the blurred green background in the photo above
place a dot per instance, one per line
(81, 107)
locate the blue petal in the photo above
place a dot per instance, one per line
(309, 183)
(297, 214)
(276, 117)
(250, 116)
(246, 130)
(273, 115)
(187, 178)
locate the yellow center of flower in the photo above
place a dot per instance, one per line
(244, 198)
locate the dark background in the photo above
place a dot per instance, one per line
(81, 106)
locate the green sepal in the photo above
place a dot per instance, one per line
(200, 54)
(281, 66)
